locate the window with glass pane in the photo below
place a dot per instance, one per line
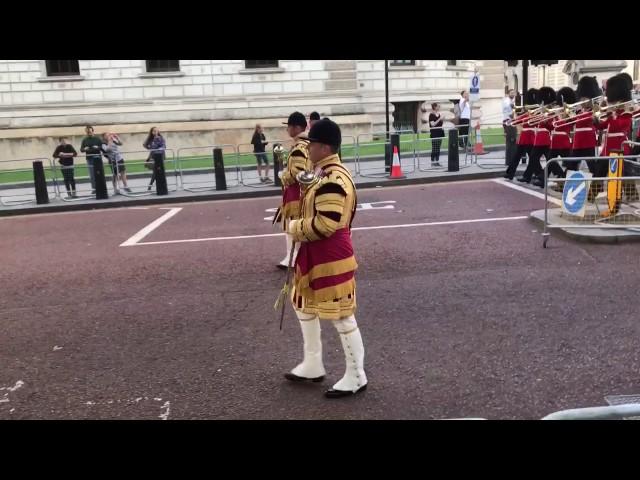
(154, 66)
(59, 68)
(397, 63)
(452, 63)
(261, 64)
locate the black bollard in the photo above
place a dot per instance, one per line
(100, 179)
(453, 159)
(218, 166)
(40, 183)
(277, 165)
(161, 176)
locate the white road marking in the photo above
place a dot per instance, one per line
(165, 415)
(379, 227)
(5, 397)
(526, 190)
(150, 228)
(56, 348)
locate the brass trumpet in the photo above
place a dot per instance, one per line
(602, 112)
(307, 179)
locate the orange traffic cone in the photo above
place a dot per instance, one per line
(478, 148)
(396, 170)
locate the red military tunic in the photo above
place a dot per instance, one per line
(584, 135)
(560, 137)
(542, 134)
(616, 132)
(527, 134)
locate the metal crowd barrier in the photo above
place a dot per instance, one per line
(247, 163)
(196, 169)
(15, 189)
(597, 212)
(369, 154)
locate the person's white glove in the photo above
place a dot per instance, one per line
(280, 174)
(292, 226)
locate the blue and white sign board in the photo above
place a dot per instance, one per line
(574, 194)
(474, 89)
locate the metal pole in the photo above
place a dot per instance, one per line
(525, 76)
(386, 94)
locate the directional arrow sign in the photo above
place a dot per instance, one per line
(574, 195)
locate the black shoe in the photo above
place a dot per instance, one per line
(331, 393)
(295, 378)
(282, 267)
(538, 183)
(524, 180)
(149, 188)
(507, 176)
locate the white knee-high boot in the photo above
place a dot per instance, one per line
(354, 377)
(285, 260)
(312, 366)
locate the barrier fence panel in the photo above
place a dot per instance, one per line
(17, 186)
(81, 172)
(248, 163)
(196, 170)
(138, 174)
(494, 147)
(408, 153)
(602, 202)
(348, 151)
(370, 152)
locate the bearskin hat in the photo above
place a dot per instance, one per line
(618, 89)
(547, 95)
(566, 95)
(531, 97)
(588, 88)
(628, 79)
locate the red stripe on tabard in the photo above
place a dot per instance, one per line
(291, 193)
(337, 247)
(331, 281)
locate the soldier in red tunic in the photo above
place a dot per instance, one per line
(525, 139)
(541, 139)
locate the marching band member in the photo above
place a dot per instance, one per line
(584, 136)
(525, 139)
(617, 128)
(541, 139)
(298, 161)
(324, 286)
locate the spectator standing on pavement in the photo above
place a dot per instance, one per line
(111, 144)
(507, 109)
(156, 144)
(259, 141)
(435, 125)
(313, 118)
(65, 152)
(465, 119)
(92, 147)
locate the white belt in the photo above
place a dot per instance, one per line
(585, 130)
(539, 130)
(616, 134)
(559, 133)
